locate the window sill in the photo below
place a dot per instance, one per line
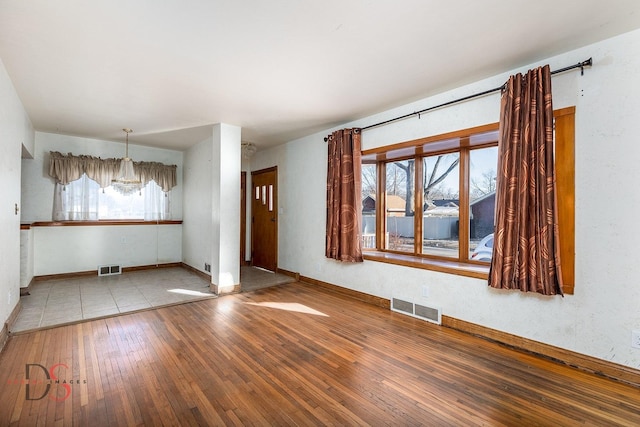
(443, 266)
(109, 222)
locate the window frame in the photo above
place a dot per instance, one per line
(417, 149)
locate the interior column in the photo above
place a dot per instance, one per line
(225, 219)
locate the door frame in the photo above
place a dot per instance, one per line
(243, 218)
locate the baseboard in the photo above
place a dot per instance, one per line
(582, 362)
(4, 333)
(65, 275)
(27, 289)
(214, 288)
(296, 276)
(95, 272)
(202, 274)
(151, 267)
(360, 296)
(579, 361)
(218, 290)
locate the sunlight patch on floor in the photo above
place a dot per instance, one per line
(189, 292)
(289, 306)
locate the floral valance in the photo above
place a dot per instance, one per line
(67, 168)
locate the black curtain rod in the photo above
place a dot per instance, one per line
(581, 65)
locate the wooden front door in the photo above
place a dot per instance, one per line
(264, 218)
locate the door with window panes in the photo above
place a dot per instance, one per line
(264, 219)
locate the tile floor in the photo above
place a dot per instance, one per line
(253, 278)
(59, 301)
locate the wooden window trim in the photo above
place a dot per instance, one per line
(565, 189)
(565, 182)
(101, 223)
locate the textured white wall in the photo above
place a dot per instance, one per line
(197, 224)
(198, 196)
(225, 212)
(15, 132)
(26, 257)
(68, 249)
(598, 319)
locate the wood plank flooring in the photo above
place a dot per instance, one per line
(291, 355)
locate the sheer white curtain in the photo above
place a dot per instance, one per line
(83, 200)
(157, 203)
(76, 201)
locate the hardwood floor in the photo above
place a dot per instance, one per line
(291, 355)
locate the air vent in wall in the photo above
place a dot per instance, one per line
(430, 314)
(109, 270)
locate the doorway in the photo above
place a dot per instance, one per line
(243, 218)
(264, 218)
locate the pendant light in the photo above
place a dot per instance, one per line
(127, 182)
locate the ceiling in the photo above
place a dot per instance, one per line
(280, 69)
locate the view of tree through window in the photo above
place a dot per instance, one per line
(441, 204)
(400, 204)
(450, 182)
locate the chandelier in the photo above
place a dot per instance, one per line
(127, 182)
(248, 149)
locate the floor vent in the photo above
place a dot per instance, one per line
(109, 270)
(430, 314)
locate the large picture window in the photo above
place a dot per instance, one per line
(438, 198)
(430, 203)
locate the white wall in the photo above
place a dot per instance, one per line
(68, 249)
(198, 196)
(74, 249)
(598, 319)
(197, 223)
(26, 257)
(15, 132)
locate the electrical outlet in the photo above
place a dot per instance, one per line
(207, 267)
(9, 298)
(635, 338)
(425, 291)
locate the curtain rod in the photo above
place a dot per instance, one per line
(581, 65)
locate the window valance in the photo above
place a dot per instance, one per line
(67, 168)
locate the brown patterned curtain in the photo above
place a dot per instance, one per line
(526, 249)
(343, 196)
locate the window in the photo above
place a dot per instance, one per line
(434, 192)
(442, 190)
(83, 200)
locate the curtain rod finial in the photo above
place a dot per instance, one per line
(587, 63)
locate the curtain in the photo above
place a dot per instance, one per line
(344, 193)
(526, 249)
(67, 168)
(76, 202)
(83, 200)
(157, 203)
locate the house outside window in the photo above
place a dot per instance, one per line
(449, 181)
